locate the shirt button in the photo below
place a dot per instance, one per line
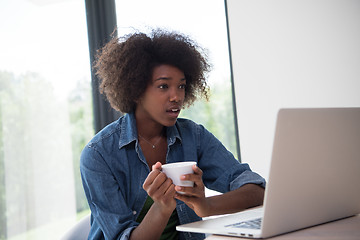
(134, 212)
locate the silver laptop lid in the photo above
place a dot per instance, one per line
(315, 167)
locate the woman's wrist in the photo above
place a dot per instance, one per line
(162, 209)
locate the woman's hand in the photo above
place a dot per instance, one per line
(161, 189)
(248, 195)
(194, 197)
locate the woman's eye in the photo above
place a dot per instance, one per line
(163, 86)
(182, 86)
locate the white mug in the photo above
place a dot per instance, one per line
(175, 170)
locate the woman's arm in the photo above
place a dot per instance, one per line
(162, 191)
(248, 195)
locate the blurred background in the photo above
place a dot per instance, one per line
(46, 104)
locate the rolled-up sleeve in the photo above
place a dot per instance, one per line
(126, 233)
(247, 177)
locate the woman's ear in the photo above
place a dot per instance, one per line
(137, 101)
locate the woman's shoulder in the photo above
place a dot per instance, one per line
(187, 123)
(187, 126)
(107, 131)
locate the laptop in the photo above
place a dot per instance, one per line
(313, 179)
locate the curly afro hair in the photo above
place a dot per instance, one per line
(124, 66)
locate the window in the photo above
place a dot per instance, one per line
(45, 116)
(205, 22)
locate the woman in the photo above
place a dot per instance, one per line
(151, 78)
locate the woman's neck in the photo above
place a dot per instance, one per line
(149, 129)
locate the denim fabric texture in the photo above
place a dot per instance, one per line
(113, 170)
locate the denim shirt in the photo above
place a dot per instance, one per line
(113, 170)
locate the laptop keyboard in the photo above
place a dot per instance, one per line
(252, 224)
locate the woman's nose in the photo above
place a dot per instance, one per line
(176, 95)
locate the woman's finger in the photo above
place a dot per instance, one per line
(196, 177)
(150, 178)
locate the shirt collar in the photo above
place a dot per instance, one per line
(128, 131)
(172, 134)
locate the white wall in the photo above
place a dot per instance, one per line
(290, 53)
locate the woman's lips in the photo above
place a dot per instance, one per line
(173, 112)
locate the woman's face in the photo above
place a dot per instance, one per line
(163, 97)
